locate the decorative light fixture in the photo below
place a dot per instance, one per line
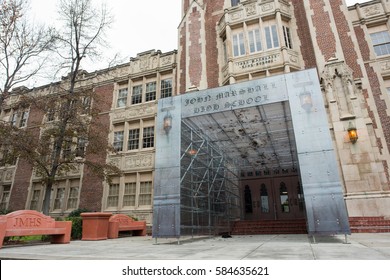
(306, 101)
(192, 152)
(352, 133)
(167, 123)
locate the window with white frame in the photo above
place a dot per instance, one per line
(238, 44)
(132, 191)
(287, 37)
(81, 146)
(381, 42)
(254, 37)
(235, 2)
(113, 195)
(7, 156)
(150, 94)
(166, 88)
(4, 196)
(130, 194)
(59, 196)
(73, 196)
(35, 200)
(136, 98)
(145, 193)
(14, 119)
(148, 137)
(122, 98)
(23, 119)
(118, 141)
(271, 37)
(133, 140)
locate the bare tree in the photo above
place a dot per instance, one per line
(23, 46)
(82, 35)
(71, 129)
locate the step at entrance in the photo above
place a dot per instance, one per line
(270, 227)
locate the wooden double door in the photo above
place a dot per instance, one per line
(277, 198)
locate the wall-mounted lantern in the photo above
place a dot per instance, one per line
(306, 101)
(352, 133)
(167, 123)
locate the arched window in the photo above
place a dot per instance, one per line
(264, 199)
(283, 193)
(248, 200)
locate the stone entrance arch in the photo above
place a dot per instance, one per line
(288, 108)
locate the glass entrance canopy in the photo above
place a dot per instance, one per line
(206, 138)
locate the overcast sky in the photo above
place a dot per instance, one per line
(139, 25)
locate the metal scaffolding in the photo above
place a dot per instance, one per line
(209, 192)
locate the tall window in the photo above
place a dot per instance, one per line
(271, 36)
(254, 40)
(381, 42)
(225, 54)
(5, 192)
(14, 119)
(264, 199)
(235, 2)
(36, 193)
(148, 137)
(59, 198)
(81, 145)
(287, 37)
(23, 119)
(113, 195)
(150, 93)
(122, 97)
(67, 148)
(136, 98)
(50, 114)
(284, 201)
(166, 88)
(133, 143)
(130, 193)
(118, 141)
(238, 44)
(145, 193)
(73, 197)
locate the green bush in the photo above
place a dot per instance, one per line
(5, 211)
(77, 222)
(77, 212)
(77, 227)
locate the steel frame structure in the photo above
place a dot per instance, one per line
(208, 186)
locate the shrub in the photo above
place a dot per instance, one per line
(77, 227)
(77, 222)
(5, 211)
(77, 212)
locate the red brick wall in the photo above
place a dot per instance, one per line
(307, 49)
(92, 185)
(195, 48)
(214, 13)
(183, 60)
(347, 45)
(325, 38)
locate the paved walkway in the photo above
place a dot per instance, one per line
(362, 246)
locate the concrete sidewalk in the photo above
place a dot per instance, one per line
(360, 246)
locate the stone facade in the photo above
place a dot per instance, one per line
(221, 44)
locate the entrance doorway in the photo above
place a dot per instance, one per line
(273, 198)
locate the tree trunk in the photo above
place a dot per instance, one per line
(46, 200)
